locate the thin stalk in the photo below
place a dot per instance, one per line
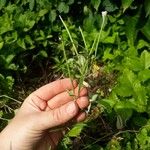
(99, 36)
(74, 47)
(84, 73)
(93, 45)
(68, 68)
(10, 98)
(83, 38)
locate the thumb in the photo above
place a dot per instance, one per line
(59, 115)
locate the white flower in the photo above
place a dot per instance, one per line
(104, 13)
(86, 84)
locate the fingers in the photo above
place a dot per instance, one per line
(58, 116)
(52, 89)
(80, 117)
(64, 98)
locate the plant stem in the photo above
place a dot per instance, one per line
(99, 36)
(68, 68)
(74, 47)
(83, 38)
(10, 98)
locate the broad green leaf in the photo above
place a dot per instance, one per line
(126, 4)
(2, 3)
(144, 75)
(147, 7)
(31, 4)
(5, 24)
(140, 95)
(145, 59)
(52, 15)
(89, 23)
(63, 7)
(110, 39)
(96, 3)
(131, 29)
(133, 63)
(109, 5)
(125, 85)
(76, 130)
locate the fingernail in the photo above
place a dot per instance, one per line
(71, 108)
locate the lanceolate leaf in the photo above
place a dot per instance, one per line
(145, 59)
(126, 4)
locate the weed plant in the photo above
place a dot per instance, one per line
(83, 62)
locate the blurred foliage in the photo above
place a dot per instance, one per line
(31, 34)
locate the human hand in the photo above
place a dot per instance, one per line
(46, 108)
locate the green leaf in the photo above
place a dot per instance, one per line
(1, 45)
(96, 4)
(147, 7)
(142, 44)
(144, 75)
(139, 121)
(133, 63)
(42, 12)
(126, 4)
(5, 24)
(140, 95)
(70, 2)
(131, 28)
(2, 3)
(10, 58)
(52, 15)
(10, 81)
(145, 59)
(89, 23)
(125, 85)
(63, 7)
(43, 54)
(145, 30)
(76, 130)
(31, 4)
(109, 5)
(21, 43)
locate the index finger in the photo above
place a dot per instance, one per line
(52, 89)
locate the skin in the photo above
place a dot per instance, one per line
(43, 111)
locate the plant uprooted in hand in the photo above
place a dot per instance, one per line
(82, 62)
